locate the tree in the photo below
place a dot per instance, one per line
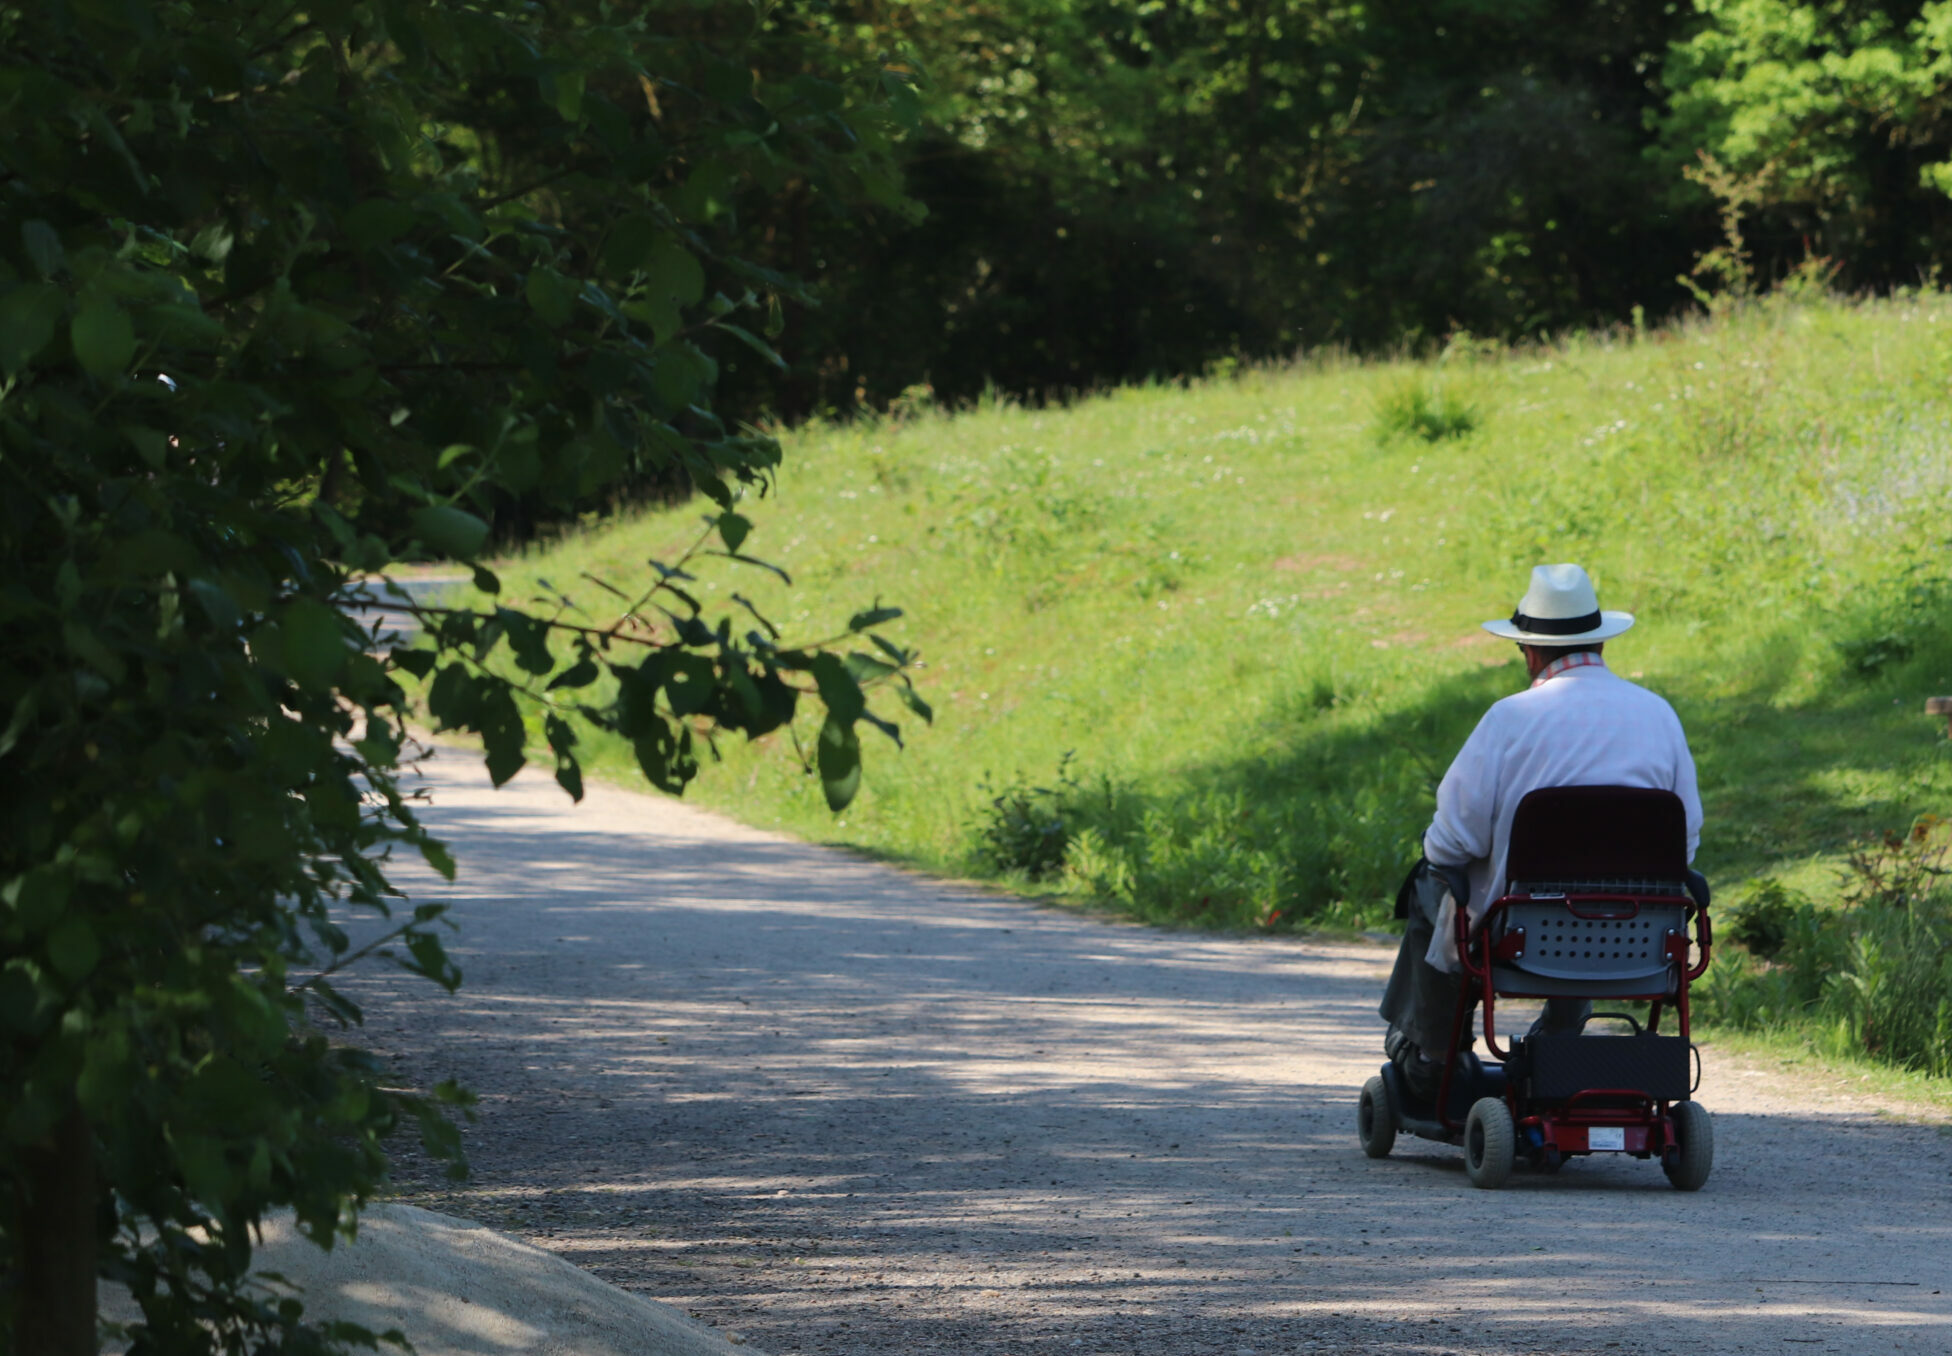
(1836, 121)
(290, 295)
(1121, 189)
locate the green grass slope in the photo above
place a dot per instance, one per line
(1243, 616)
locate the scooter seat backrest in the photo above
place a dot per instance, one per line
(1595, 833)
(1595, 840)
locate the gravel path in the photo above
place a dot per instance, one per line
(832, 1107)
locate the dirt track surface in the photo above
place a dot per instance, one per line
(832, 1107)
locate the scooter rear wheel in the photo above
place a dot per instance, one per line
(1490, 1143)
(1688, 1169)
(1376, 1118)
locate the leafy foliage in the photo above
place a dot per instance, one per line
(1874, 974)
(1120, 188)
(1432, 411)
(1837, 118)
(289, 298)
(1028, 828)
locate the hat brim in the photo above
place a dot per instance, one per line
(1611, 625)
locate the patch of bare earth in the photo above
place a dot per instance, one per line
(1305, 562)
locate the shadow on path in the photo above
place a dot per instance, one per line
(837, 1108)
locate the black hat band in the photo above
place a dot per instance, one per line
(1555, 626)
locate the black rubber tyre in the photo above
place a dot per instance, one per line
(1376, 1118)
(1490, 1143)
(1689, 1169)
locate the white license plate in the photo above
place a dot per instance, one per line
(1606, 1137)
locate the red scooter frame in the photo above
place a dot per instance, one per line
(1564, 1126)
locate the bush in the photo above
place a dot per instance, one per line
(1431, 411)
(1761, 919)
(1218, 857)
(1873, 976)
(1893, 997)
(403, 266)
(1026, 827)
(1905, 620)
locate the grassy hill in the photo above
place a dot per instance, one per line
(1226, 634)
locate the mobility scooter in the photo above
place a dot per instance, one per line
(1599, 904)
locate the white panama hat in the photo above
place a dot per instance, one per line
(1561, 608)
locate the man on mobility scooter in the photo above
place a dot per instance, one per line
(1556, 868)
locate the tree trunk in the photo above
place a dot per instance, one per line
(56, 1211)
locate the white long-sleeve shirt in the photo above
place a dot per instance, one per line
(1585, 726)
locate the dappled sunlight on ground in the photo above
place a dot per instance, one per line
(838, 1108)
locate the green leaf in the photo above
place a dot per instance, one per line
(85, 645)
(104, 338)
(217, 603)
(151, 553)
(27, 997)
(419, 663)
(200, 1158)
(528, 638)
(562, 742)
(551, 295)
(569, 95)
(580, 674)
(673, 271)
(866, 668)
(913, 700)
(502, 733)
(377, 221)
(103, 1084)
(223, 1093)
(662, 756)
(315, 644)
(901, 657)
(152, 446)
(678, 374)
(823, 95)
(690, 683)
(28, 317)
(733, 530)
(214, 242)
(874, 616)
(72, 947)
(753, 342)
(43, 245)
(485, 580)
(838, 689)
(25, 710)
(430, 958)
(839, 757)
(449, 531)
(436, 855)
(37, 898)
(454, 700)
(519, 465)
(630, 244)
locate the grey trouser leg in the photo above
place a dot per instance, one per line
(1563, 1016)
(1421, 1000)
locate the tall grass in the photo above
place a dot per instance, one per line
(1870, 973)
(1429, 409)
(1244, 626)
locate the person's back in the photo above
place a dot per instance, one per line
(1578, 724)
(1582, 725)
